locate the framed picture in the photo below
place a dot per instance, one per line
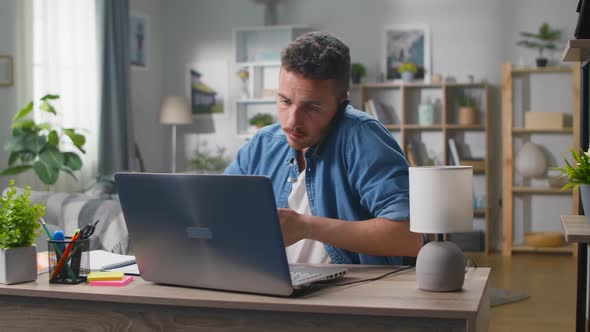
(6, 70)
(403, 44)
(138, 41)
(208, 92)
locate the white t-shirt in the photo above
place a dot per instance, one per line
(306, 250)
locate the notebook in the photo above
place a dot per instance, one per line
(101, 260)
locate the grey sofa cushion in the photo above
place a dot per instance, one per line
(69, 211)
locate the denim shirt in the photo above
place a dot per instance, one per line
(357, 172)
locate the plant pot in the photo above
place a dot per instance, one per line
(541, 62)
(467, 115)
(407, 76)
(18, 265)
(585, 196)
(356, 79)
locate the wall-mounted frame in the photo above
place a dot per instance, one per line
(208, 88)
(6, 70)
(139, 34)
(406, 44)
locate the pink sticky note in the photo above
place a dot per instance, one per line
(116, 283)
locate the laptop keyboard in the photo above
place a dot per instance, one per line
(302, 277)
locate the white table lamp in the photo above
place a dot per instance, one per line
(174, 111)
(441, 201)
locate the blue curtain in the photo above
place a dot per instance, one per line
(116, 143)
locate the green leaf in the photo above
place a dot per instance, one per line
(15, 144)
(45, 126)
(15, 170)
(18, 222)
(69, 171)
(13, 158)
(45, 106)
(72, 161)
(46, 173)
(52, 157)
(77, 139)
(35, 143)
(23, 123)
(52, 138)
(24, 111)
(50, 97)
(27, 156)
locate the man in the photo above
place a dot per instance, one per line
(340, 179)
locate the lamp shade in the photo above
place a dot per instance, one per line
(441, 199)
(175, 110)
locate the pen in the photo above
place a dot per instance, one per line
(63, 259)
(42, 221)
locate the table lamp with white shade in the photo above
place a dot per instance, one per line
(441, 201)
(175, 111)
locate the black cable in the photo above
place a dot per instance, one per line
(329, 283)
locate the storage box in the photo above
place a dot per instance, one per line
(468, 241)
(545, 120)
(479, 165)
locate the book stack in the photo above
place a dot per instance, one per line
(377, 111)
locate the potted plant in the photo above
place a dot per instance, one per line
(579, 176)
(407, 71)
(466, 114)
(357, 71)
(204, 161)
(40, 146)
(261, 119)
(18, 229)
(546, 38)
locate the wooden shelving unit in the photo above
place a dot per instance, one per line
(510, 132)
(401, 101)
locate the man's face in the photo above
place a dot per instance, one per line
(306, 108)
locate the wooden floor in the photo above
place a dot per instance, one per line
(549, 280)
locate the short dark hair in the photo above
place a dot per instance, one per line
(320, 56)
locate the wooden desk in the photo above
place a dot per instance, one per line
(577, 229)
(390, 304)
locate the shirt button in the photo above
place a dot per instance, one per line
(289, 180)
(309, 169)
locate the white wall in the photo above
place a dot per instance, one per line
(7, 94)
(146, 90)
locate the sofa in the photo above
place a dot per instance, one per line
(69, 211)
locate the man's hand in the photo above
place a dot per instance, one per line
(292, 225)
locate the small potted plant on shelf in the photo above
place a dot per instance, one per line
(546, 38)
(407, 70)
(261, 119)
(466, 115)
(18, 229)
(357, 72)
(579, 176)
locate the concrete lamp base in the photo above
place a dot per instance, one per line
(440, 267)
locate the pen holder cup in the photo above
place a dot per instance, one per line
(75, 267)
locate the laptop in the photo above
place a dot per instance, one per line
(211, 231)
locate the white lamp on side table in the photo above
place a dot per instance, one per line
(175, 111)
(441, 201)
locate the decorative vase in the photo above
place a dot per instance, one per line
(18, 265)
(407, 76)
(585, 196)
(467, 115)
(530, 161)
(426, 114)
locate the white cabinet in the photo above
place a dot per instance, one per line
(257, 52)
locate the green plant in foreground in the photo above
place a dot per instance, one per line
(39, 146)
(581, 173)
(18, 218)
